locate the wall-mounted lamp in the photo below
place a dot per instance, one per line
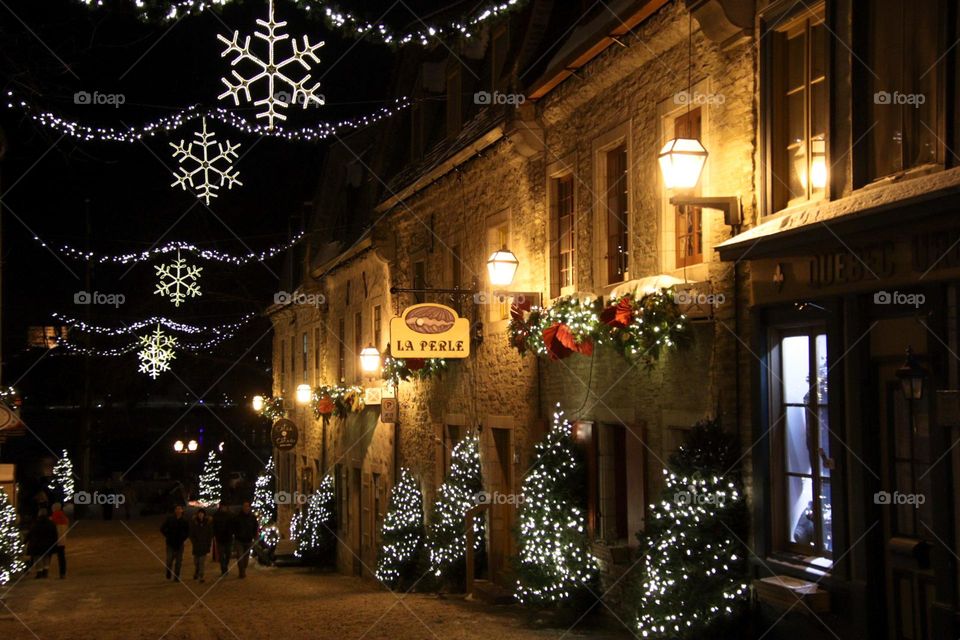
(502, 267)
(304, 393)
(370, 359)
(258, 403)
(911, 376)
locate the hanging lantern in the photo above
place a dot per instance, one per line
(681, 162)
(501, 267)
(304, 394)
(370, 359)
(911, 376)
(258, 403)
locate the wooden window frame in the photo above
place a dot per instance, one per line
(563, 263)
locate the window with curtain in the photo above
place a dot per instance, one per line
(562, 229)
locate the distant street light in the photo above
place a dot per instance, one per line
(258, 403)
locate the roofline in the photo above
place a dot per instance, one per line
(614, 28)
(362, 245)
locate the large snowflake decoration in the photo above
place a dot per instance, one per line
(207, 163)
(272, 70)
(156, 352)
(178, 280)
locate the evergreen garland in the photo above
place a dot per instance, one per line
(211, 484)
(402, 533)
(315, 530)
(447, 534)
(402, 369)
(11, 544)
(62, 484)
(336, 400)
(264, 502)
(693, 576)
(273, 409)
(555, 564)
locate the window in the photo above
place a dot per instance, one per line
(342, 350)
(304, 351)
(419, 280)
(316, 355)
(377, 328)
(562, 228)
(606, 464)
(615, 195)
(689, 230)
(903, 49)
(801, 427)
(797, 111)
(357, 338)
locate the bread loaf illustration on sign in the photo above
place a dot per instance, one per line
(429, 320)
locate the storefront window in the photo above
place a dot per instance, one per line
(803, 462)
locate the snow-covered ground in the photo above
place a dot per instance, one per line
(115, 589)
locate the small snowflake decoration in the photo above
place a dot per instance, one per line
(156, 352)
(206, 162)
(178, 280)
(272, 70)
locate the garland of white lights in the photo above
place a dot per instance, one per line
(166, 124)
(172, 247)
(173, 325)
(70, 348)
(349, 24)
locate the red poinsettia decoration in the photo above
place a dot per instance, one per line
(561, 342)
(618, 315)
(325, 406)
(415, 364)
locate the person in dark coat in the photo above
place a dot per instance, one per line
(201, 537)
(223, 534)
(175, 531)
(41, 542)
(245, 528)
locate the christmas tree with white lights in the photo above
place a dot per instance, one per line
(460, 492)
(692, 577)
(62, 484)
(316, 528)
(555, 563)
(402, 533)
(11, 545)
(211, 484)
(264, 504)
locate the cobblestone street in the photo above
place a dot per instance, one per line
(115, 589)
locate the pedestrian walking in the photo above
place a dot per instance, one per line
(201, 535)
(41, 539)
(245, 528)
(62, 522)
(175, 531)
(223, 536)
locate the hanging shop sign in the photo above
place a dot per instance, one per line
(389, 411)
(429, 331)
(284, 434)
(8, 418)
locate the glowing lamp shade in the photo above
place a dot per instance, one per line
(178, 446)
(370, 359)
(303, 393)
(681, 162)
(258, 403)
(501, 267)
(192, 445)
(911, 376)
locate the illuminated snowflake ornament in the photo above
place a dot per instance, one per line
(178, 280)
(205, 164)
(156, 352)
(272, 70)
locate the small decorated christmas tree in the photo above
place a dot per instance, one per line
(264, 503)
(316, 529)
(211, 484)
(692, 579)
(555, 563)
(402, 533)
(448, 540)
(11, 545)
(62, 485)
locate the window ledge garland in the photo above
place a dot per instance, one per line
(641, 329)
(403, 369)
(337, 401)
(273, 409)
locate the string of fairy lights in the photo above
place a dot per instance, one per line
(173, 325)
(169, 123)
(347, 23)
(148, 255)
